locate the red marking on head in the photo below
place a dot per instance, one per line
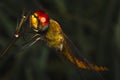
(42, 17)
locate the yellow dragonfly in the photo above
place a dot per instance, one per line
(55, 38)
(50, 31)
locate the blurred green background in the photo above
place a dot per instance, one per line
(92, 25)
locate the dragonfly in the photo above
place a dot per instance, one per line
(49, 30)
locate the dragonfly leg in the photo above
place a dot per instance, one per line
(15, 36)
(19, 26)
(32, 41)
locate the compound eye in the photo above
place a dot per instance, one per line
(39, 20)
(43, 19)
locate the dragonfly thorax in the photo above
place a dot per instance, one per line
(54, 35)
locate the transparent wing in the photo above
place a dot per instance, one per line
(72, 54)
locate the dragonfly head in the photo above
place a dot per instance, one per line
(39, 21)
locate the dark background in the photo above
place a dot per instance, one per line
(92, 25)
